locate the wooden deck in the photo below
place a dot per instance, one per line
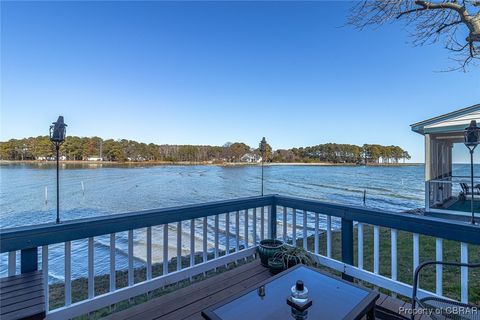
(21, 296)
(188, 302)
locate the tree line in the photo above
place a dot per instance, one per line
(83, 148)
(344, 153)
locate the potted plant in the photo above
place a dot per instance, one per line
(291, 256)
(267, 248)
(275, 265)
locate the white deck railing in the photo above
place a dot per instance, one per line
(211, 235)
(289, 222)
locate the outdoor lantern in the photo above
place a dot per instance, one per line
(57, 136)
(471, 135)
(471, 142)
(263, 147)
(58, 130)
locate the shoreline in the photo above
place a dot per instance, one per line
(220, 164)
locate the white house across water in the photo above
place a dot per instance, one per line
(448, 192)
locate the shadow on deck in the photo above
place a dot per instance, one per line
(188, 302)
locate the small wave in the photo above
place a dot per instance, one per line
(55, 277)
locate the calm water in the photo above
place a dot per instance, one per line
(111, 190)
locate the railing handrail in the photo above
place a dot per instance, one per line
(453, 179)
(32, 236)
(26, 237)
(430, 226)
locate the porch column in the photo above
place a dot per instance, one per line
(428, 157)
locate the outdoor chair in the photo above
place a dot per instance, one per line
(466, 189)
(441, 308)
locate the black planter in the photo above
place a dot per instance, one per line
(290, 262)
(275, 265)
(267, 248)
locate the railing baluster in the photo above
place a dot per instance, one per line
(329, 236)
(262, 223)
(216, 235)
(285, 224)
(45, 275)
(304, 229)
(192, 242)
(149, 253)
(439, 267)
(227, 233)
(12, 263)
(179, 245)
(376, 249)
(294, 227)
(316, 233)
(416, 251)
(254, 226)
(165, 249)
(272, 217)
(464, 272)
(269, 223)
(68, 272)
(245, 225)
(112, 263)
(130, 258)
(393, 243)
(91, 274)
(205, 239)
(237, 231)
(360, 244)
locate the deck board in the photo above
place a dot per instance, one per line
(21, 296)
(187, 303)
(178, 299)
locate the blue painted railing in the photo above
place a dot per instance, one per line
(278, 213)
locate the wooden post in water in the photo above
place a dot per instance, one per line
(83, 188)
(46, 195)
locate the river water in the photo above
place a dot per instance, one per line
(27, 196)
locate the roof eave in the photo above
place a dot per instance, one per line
(419, 126)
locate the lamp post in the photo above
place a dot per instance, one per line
(471, 134)
(57, 136)
(263, 151)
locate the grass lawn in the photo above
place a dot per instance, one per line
(451, 252)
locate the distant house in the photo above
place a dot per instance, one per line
(94, 158)
(42, 158)
(250, 157)
(137, 158)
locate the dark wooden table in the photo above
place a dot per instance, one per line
(332, 298)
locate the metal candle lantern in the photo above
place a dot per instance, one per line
(57, 136)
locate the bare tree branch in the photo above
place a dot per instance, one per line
(448, 25)
(429, 22)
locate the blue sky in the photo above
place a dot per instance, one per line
(212, 72)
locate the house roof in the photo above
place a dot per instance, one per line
(455, 121)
